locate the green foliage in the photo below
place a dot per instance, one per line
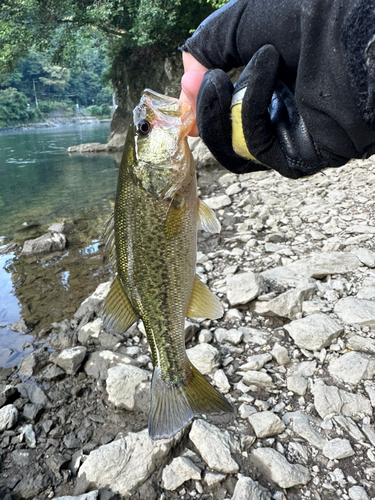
(62, 108)
(102, 110)
(13, 107)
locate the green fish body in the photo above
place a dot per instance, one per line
(153, 240)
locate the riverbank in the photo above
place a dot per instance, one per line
(57, 122)
(294, 353)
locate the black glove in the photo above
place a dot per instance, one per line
(309, 98)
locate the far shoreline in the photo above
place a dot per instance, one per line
(55, 123)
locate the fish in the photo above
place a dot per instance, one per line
(152, 240)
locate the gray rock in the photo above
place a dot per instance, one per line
(336, 449)
(126, 463)
(90, 330)
(33, 363)
(221, 381)
(31, 484)
(23, 458)
(314, 332)
(297, 384)
(280, 353)
(99, 362)
(286, 305)
(360, 229)
(51, 242)
(277, 469)
(256, 362)
(205, 357)
(213, 479)
(8, 417)
(217, 202)
(358, 343)
(71, 359)
(181, 469)
(20, 326)
(33, 393)
(215, 446)
(233, 336)
(53, 373)
(358, 493)
(266, 424)
(59, 227)
(366, 256)
(366, 293)
(244, 287)
(352, 367)
(247, 489)
(94, 303)
(356, 312)
(259, 379)
(32, 412)
(301, 425)
(127, 385)
(27, 433)
(92, 495)
(8, 394)
(330, 400)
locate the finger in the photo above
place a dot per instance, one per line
(190, 83)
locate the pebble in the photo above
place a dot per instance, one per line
(358, 493)
(314, 332)
(337, 448)
(247, 489)
(244, 287)
(297, 384)
(205, 357)
(277, 469)
(215, 446)
(212, 479)
(280, 353)
(181, 469)
(266, 424)
(8, 417)
(71, 359)
(221, 381)
(129, 387)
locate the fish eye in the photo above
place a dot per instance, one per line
(143, 127)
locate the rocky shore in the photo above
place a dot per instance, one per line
(294, 268)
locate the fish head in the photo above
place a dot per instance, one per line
(162, 159)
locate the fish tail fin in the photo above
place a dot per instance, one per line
(174, 406)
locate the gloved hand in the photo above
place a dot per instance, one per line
(307, 100)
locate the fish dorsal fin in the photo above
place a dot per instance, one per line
(118, 313)
(108, 237)
(203, 303)
(207, 219)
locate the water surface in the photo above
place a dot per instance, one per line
(40, 184)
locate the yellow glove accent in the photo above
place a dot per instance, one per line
(238, 139)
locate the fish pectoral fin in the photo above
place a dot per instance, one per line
(118, 313)
(203, 303)
(173, 406)
(108, 237)
(207, 219)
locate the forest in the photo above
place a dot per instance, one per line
(57, 56)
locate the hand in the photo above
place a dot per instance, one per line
(309, 78)
(190, 83)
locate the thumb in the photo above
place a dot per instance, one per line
(190, 83)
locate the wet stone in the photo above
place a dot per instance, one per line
(32, 411)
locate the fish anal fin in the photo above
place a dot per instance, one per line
(173, 406)
(118, 313)
(207, 219)
(203, 303)
(202, 397)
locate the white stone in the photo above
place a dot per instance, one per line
(366, 256)
(358, 493)
(94, 302)
(51, 242)
(247, 489)
(91, 329)
(352, 367)
(314, 332)
(297, 384)
(233, 336)
(358, 343)
(366, 293)
(280, 353)
(217, 202)
(221, 381)
(213, 479)
(181, 469)
(302, 426)
(286, 305)
(71, 359)
(92, 495)
(277, 469)
(126, 384)
(98, 363)
(266, 424)
(126, 463)
(337, 448)
(205, 357)
(215, 446)
(331, 400)
(260, 379)
(27, 432)
(244, 287)
(8, 417)
(356, 312)
(256, 362)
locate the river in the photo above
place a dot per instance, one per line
(40, 184)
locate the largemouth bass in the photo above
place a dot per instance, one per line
(153, 242)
